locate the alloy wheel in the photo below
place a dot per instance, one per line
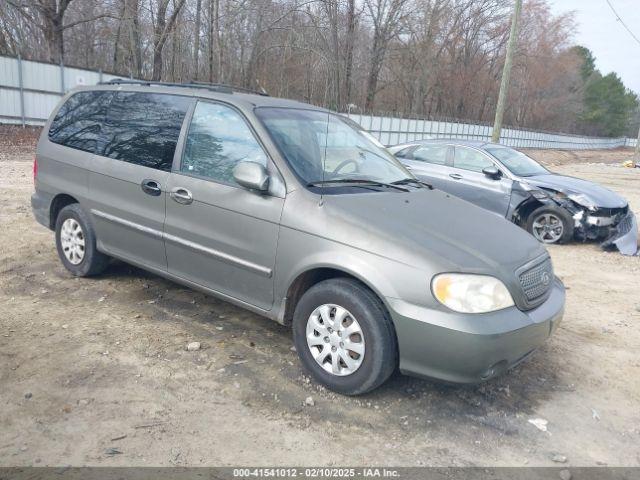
(548, 228)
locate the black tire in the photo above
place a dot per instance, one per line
(561, 214)
(93, 262)
(381, 350)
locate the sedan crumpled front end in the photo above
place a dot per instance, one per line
(614, 227)
(623, 234)
(598, 213)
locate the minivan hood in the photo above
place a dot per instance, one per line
(429, 228)
(595, 194)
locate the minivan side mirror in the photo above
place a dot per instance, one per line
(492, 172)
(251, 175)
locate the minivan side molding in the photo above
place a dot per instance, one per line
(136, 226)
(225, 257)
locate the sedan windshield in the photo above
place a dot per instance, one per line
(517, 162)
(322, 148)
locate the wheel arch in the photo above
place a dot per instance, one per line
(57, 204)
(304, 280)
(521, 213)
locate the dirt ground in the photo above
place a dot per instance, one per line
(95, 371)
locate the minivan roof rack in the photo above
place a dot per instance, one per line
(213, 87)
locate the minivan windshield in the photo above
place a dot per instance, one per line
(517, 162)
(323, 147)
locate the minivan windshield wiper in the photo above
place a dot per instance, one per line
(414, 181)
(356, 182)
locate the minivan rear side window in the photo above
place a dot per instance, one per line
(143, 128)
(78, 122)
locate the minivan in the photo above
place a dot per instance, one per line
(297, 214)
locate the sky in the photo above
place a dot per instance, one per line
(598, 30)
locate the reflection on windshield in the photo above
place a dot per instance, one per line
(322, 147)
(517, 162)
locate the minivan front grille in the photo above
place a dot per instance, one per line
(537, 280)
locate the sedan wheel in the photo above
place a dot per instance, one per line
(548, 228)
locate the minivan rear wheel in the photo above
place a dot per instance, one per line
(344, 336)
(76, 243)
(551, 225)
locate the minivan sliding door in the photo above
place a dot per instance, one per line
(130, 175)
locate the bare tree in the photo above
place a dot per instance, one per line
(419, 57)
(196, 40)
(161, 31)
(49, 15)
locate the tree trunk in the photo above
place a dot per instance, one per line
(159, 39)
(196, 40)
(53, 37)
(336, 90)
(350, 41)
(114, 63)
(133, 7)
(216, 26)
(374, 72)
(161, 31)
(211, 41)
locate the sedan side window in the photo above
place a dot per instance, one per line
(469, 159)
(218, 139)
(404, 153)
(436, 154)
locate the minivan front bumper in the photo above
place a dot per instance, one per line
(470, 348)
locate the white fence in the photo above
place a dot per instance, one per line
(392, 131)
(29, 91)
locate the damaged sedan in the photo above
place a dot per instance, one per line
(553, 208)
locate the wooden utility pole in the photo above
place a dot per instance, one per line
(506, 72)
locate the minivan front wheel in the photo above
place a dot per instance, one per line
(551, 225)
(344, 336)
(76, 243)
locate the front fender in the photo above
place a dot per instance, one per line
(300, 252)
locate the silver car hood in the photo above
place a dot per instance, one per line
(599, 196)
(428, 228)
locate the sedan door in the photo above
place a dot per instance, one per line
(471, 184)
(429, 163)
(219, 235)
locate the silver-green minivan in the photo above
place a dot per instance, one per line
(294, 213)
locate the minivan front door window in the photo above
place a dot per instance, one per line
(218, 139)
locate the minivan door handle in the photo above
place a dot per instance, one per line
(455, 176)
(181, 195)
(151, 187)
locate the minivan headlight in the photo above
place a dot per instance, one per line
(468, 293)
